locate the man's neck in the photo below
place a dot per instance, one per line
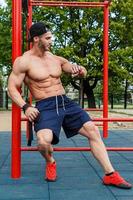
(39, 52)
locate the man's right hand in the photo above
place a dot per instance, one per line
(31, 113)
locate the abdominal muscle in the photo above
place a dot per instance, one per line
(42, 89)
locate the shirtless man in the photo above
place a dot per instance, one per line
(41, 71)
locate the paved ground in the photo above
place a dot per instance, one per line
(6, 122)
(79, 175)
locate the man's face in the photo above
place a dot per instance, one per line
(45, 41)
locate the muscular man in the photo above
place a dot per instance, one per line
(41, 71)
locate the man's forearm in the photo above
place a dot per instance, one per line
(16, 97)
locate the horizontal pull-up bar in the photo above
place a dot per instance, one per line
(101, 119)
(93, 109)
(113, 119)
(68, 4)
(78, 149)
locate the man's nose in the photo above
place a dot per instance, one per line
(50, 41)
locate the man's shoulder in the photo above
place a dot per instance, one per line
(26, 55)
(20, 58)
(21, 61)
(60, 58)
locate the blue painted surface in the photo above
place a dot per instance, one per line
(79, 174)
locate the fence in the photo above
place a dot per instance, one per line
(115, 100)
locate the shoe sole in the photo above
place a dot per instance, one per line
(50, 180)
(119, 186)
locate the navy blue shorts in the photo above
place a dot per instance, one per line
(60, 111)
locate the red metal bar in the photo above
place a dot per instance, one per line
(73, 2)
(93, 109)
(68, 4)
(29, 21)
(105, 69)
(113, 119)
(16, 112)
(101, 119)
(79, 149)
(29, 46)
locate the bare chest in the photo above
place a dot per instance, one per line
(41, 69)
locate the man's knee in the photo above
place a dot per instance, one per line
(92, 130)
(43, 145)
(44, 140)
(91, 127)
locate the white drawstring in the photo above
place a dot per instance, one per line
(57, 105)
(63, 102)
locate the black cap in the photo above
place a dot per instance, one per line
(37, 29)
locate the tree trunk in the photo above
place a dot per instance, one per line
(125, 95)
(81, 94)
(112, 101)
(88, 90)
(1, 97)
(6, 100)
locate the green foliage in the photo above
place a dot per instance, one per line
(5, 37)
(78, 37)
(121, 44)
(5, 44)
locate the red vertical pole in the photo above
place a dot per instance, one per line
(16, 112)
(29, 20)
(28, 24)
(105, 69)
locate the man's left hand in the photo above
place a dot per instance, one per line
(78, 70)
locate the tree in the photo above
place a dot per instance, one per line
(121, 46)
(5, 36)
(78, 37)
(5, 46)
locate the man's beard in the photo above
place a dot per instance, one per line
(42, 46)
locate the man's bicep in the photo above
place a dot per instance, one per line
(18, 73)
(16, 79)
(66, 65)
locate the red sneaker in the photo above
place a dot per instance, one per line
(51, 171)
(116, 180)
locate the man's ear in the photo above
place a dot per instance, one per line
(36, 39)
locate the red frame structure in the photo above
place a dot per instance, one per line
(16, 51)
